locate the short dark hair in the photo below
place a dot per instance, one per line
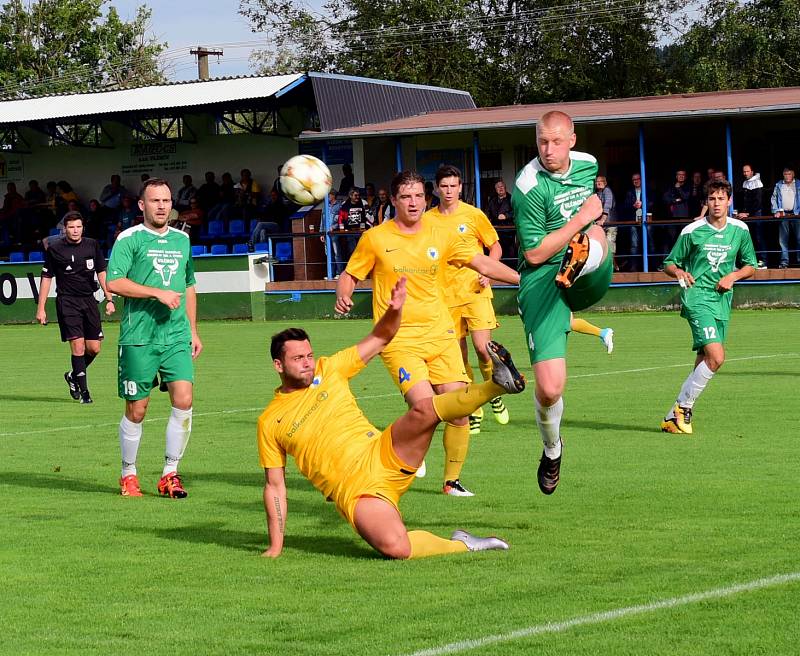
(405, 178)
(288, 335)
(447, 171)
(72, 216)
(716, 185)
(154, 182)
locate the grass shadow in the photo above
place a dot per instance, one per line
(608, 426)
(54, 482)
(36, 399)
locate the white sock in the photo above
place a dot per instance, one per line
(548, 418)
(694, 384)
(594, 260)
(130, 434)
(179, 427)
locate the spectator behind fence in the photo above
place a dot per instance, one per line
(385, 207)
(353, 216)
(329, 224)
(223, 208)
(632, 210)
(501, 215)
(274, 219)
(785, 202)
(208, 193)
(248, 195)
(372, 200)
(348, 180)
(13, 203)
(609, 215)
(697, 190)
(185, 194)
(112, 194)
(752, 204)
(431, 199)
(676, 200)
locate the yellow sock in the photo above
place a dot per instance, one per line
(456, 445)
(424, 544)
(583, 326)
(470, 372)
(463, 402)
(486, 369)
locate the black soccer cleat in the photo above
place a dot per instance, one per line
(85, 397)
(549, 473)
(74, 392)
(504, 373)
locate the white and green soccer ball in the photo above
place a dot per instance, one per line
(305, 179)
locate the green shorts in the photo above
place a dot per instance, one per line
(706, 328)
(544, 312)
(590, 288)
(138, 366)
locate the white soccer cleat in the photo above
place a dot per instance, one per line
(474, 543)
(456, 489)
(421, 470)
(607, 337)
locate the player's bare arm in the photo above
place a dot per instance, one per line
(495, 253)
(275, 506)
(44, 291)
(591, 210)
(387, 326)
(128, 288)
(494, 269)
(191, 314)
(101, 278)
(684, 278)
(344, 293)
(726, 283)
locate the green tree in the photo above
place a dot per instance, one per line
(503, 52)
(55, 46)
(738, 45)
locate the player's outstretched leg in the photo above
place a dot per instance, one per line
(504, 373)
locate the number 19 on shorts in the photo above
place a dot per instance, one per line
(129, 387)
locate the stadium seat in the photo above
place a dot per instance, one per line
(283, 251)
(219, 249)
(54, 232)
(16, 256)
(236, 228)
(216, 229)
(253, 224)
(36, 256)
(262, 247)
(199, 250)
(240, 249)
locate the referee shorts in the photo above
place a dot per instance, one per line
(78, 317)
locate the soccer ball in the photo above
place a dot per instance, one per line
(305, 179)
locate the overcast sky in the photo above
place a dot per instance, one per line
(184, 24)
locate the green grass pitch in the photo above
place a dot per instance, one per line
(608, 565)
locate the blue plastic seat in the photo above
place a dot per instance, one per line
(219, 249)
(54, 232)
(239, 249)
(262, 247)
(16, 256)
(236, 228)
(216, 228)
(36, 256)
(253, 224)
(199, 250)
(283, 251)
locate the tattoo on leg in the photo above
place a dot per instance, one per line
(278, 511)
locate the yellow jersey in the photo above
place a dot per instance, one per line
(474, 227)
(321, 426)
(422, 257)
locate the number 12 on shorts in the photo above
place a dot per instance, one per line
(710, 332)
(129, 386)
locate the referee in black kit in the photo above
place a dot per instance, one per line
(73, 260)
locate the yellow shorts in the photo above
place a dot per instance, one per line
(478, 314)
(380, 473)
(437, 362)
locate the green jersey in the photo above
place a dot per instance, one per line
(161, 260)
(545, 201)
(710, 254)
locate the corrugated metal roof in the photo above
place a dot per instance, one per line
(188, 94)
(725, 103)
(344, 101)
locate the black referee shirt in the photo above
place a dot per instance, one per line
(74, 266)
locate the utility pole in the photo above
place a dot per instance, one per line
(202, 60)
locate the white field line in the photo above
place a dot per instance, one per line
(608, 616)
(383, 396)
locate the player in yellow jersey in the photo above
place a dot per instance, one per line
(469, 294)
(425, 358)
(363, 471)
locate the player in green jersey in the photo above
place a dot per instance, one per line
(564, 267)
(710, 256)
(151, 265)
